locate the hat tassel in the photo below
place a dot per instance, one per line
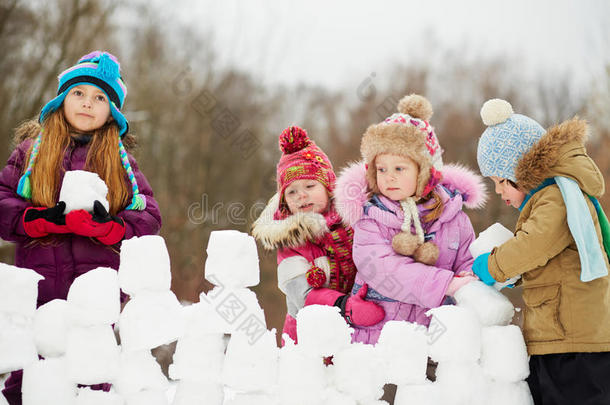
(24, 188)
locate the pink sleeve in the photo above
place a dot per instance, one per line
(395, 276)
(464, 260)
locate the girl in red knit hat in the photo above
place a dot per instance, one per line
(314, 247)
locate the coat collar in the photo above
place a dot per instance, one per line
(292, 231)
(560, 152)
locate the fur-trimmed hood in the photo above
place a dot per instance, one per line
(352, 191)
(561, 152)
(293, 231)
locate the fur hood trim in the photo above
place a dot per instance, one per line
(537, 164)
(293, 231)
(352, 191)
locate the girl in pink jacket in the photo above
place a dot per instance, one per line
(314, 247)
(411, 236)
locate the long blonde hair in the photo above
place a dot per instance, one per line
(103, 158)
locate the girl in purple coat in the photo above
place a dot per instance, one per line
(411, 236)
(82, 128)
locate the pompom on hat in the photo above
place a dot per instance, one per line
(507, 138)
(408, 133)
(102, 70)
(302, 159)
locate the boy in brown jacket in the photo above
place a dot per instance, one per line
(558, 250)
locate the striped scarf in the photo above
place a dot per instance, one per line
(338, 245)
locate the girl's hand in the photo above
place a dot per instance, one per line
(464, 273)
(100, 225)
(458, 282)
(40, 221)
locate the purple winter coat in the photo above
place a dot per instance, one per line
(406, 289)
(67, 256)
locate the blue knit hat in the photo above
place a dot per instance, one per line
(102, 70)
(507, 137)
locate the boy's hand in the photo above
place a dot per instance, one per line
(481, 269)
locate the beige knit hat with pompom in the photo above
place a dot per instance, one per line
(407, 133)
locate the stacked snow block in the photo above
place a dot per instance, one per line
(18, 292)
(232, 267)
(477, 364)
(198, 359)
(152, 317)
(250, 368)
(481, 357)
(225, 355)
(230, 308)
(76, 339)
(94, 305)
(325, 367)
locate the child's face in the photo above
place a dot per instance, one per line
(86, 108)
(396, 176)
(306, 196)
(510, 194)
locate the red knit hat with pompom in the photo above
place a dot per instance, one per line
(302, 159)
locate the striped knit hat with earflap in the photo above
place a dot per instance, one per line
(102, 70)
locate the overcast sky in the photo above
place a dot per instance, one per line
(336, 43)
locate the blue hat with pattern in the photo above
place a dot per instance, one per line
(507, 137)
(100, 69)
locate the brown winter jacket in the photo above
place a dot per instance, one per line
(562, 314)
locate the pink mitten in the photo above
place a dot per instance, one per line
(458, 282)
(360, 312)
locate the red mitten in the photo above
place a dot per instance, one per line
(354, 308)
(101, 225)
(41, 221)
(360, 312)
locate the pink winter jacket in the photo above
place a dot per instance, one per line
(296, 253)
(406, 289)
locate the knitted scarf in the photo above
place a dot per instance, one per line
(338, 245)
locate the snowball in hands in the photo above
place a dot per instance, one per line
(80, 189)
(490, 238)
